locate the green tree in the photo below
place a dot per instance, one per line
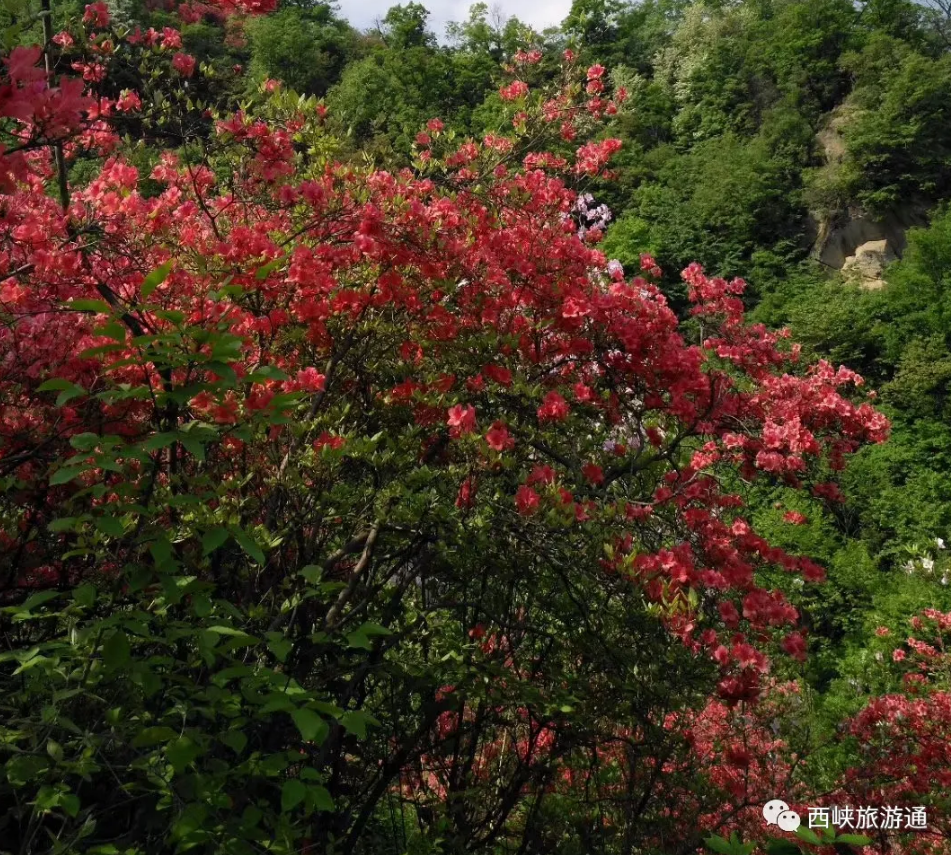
(616, 33)
(487, 34)
(404, 27)
(306, 48)
(896, 142)
(386, 98)
(720, 202)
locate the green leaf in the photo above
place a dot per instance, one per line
(70, 804)
(173, 316)
(54, 385)
(67, 390)
(25, 768)
(116, 651)
(64, 475)
(231, 632)
(718, 844)
(55, 750)
(110, 526)
(267, 372)
(280, 647)
(285, 399)
(226, 348)
(30, 663)
(292, 794)
(100, 307)
(66, 694)
(113, 330)
(277, 702)
(266, 270)
(311, 726)
(149, 736)
(213, 539)
(181, 753)
(159, 440)
(807, 834)
(361, 637)
(247, 543)
(235, 740)
(312, 573)
(224, 371)
(85, 595)
(163, 553)
(85, 441)
(35, 600)
(101, 350)
(194, 447)
(854, 840)
(329, 709)
(356, 721)
(320, 799)
(156, 278)
(68, 395)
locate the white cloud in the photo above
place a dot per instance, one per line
(537, 13)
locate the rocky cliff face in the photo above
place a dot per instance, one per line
(838, 237)
(852, 240)
(867, 266)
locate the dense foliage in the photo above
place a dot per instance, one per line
(381, 471)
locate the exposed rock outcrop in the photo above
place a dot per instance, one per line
(867, 267)
(840, 238)
(851, 240)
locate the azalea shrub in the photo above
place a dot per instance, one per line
(345, 510)
(904, 731)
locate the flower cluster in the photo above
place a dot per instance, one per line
(421, 367)
(928, 562)
(590, 217)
